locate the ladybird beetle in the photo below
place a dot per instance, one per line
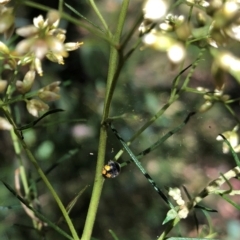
(111, 170)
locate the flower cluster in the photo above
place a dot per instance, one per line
(233, 139)
(158, 30)
(207, 24)
(43, 39)
(46, 94)
(213, 23)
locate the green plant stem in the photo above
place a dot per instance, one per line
(190, 14)
(98, 13)
(97, 187)
(83, 17)
(173, 97)
(129, 35)
(22, 169)
(42, 175)
(147, 124)
(232, 112)
(18, 98)
(114, 67)
(199, 57)
(169, 227)
(99, 180)
(60, 6)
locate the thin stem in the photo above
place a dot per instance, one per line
(18, 154)
(112, 70)
(114, 67)
(175, 83)
(37, 213)
(173, 97)
(186, 81)
(194, 90)
(18, 98)
(60, 6)
(169, 227)
(97, 187)
(190, 14)
(160, 141)
(99, 180)
(147, 124)
(232, 112)
(96, 10)
(42, 175)
(141, 168)
(133, 29)
(10, 85)
(80, 15)
(121, 21)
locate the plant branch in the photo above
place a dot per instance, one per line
(98, 13)
(42, 175)
(99, 180)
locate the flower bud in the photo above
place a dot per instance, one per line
(38, 66)
(6, 20)
(3, 48)
(39, 22)
(55, 57)
(26, 85)
(232, 138)
(53, 17)
(48, 96)
(71, 46)
(25, 60)
(201, 19)
(53, 87)
(34, 106)
(206, 106)
(4, 124)
(24, 46)
(183, 213)
(60, 36)
(27, 31)
(3, 85)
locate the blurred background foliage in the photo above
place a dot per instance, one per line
(129, 206)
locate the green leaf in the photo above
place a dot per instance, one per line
(171, 214)
(33, 123)
(205, 208)
(113, 234)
